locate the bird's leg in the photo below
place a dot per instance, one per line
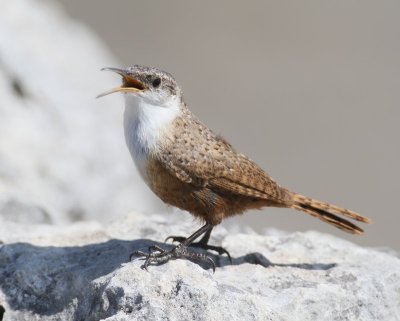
(202, 244)
(181, 251)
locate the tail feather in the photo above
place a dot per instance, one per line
(329, 213)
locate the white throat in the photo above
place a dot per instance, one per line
(145, 124)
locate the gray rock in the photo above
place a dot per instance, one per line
(81, 272)
(62, 152)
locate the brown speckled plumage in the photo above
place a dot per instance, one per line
(200, 172)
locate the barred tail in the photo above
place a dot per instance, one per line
(329, 213)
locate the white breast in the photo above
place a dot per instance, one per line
(144, 125)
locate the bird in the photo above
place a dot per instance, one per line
(192, 168)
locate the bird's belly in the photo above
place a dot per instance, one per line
(200, 201)
(174, 192)
(165, 185)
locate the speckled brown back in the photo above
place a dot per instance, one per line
(209, 166)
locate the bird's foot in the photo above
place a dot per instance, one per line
(202, 245)
(159, 256)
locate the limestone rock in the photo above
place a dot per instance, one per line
(62, 152)
(81, 272)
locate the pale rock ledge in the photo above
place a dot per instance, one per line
(81, 272)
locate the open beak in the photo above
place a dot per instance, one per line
(129, 84)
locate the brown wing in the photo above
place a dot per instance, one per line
(197, 156)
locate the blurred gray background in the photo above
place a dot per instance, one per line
(310, 90)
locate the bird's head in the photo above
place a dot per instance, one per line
(147, 84)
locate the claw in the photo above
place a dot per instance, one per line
(146, 264)
(220, 250)
(179, 239)
(137, 253)
(210, 260)
(212, 263)
(156, 248)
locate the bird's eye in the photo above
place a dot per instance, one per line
(156, 82)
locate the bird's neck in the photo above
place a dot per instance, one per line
(146, 124)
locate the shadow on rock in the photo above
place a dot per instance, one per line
(46, 279)
(259, 259)
(251, 258)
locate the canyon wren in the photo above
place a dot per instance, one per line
(188, 166)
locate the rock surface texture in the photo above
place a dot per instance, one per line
(81, 272)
